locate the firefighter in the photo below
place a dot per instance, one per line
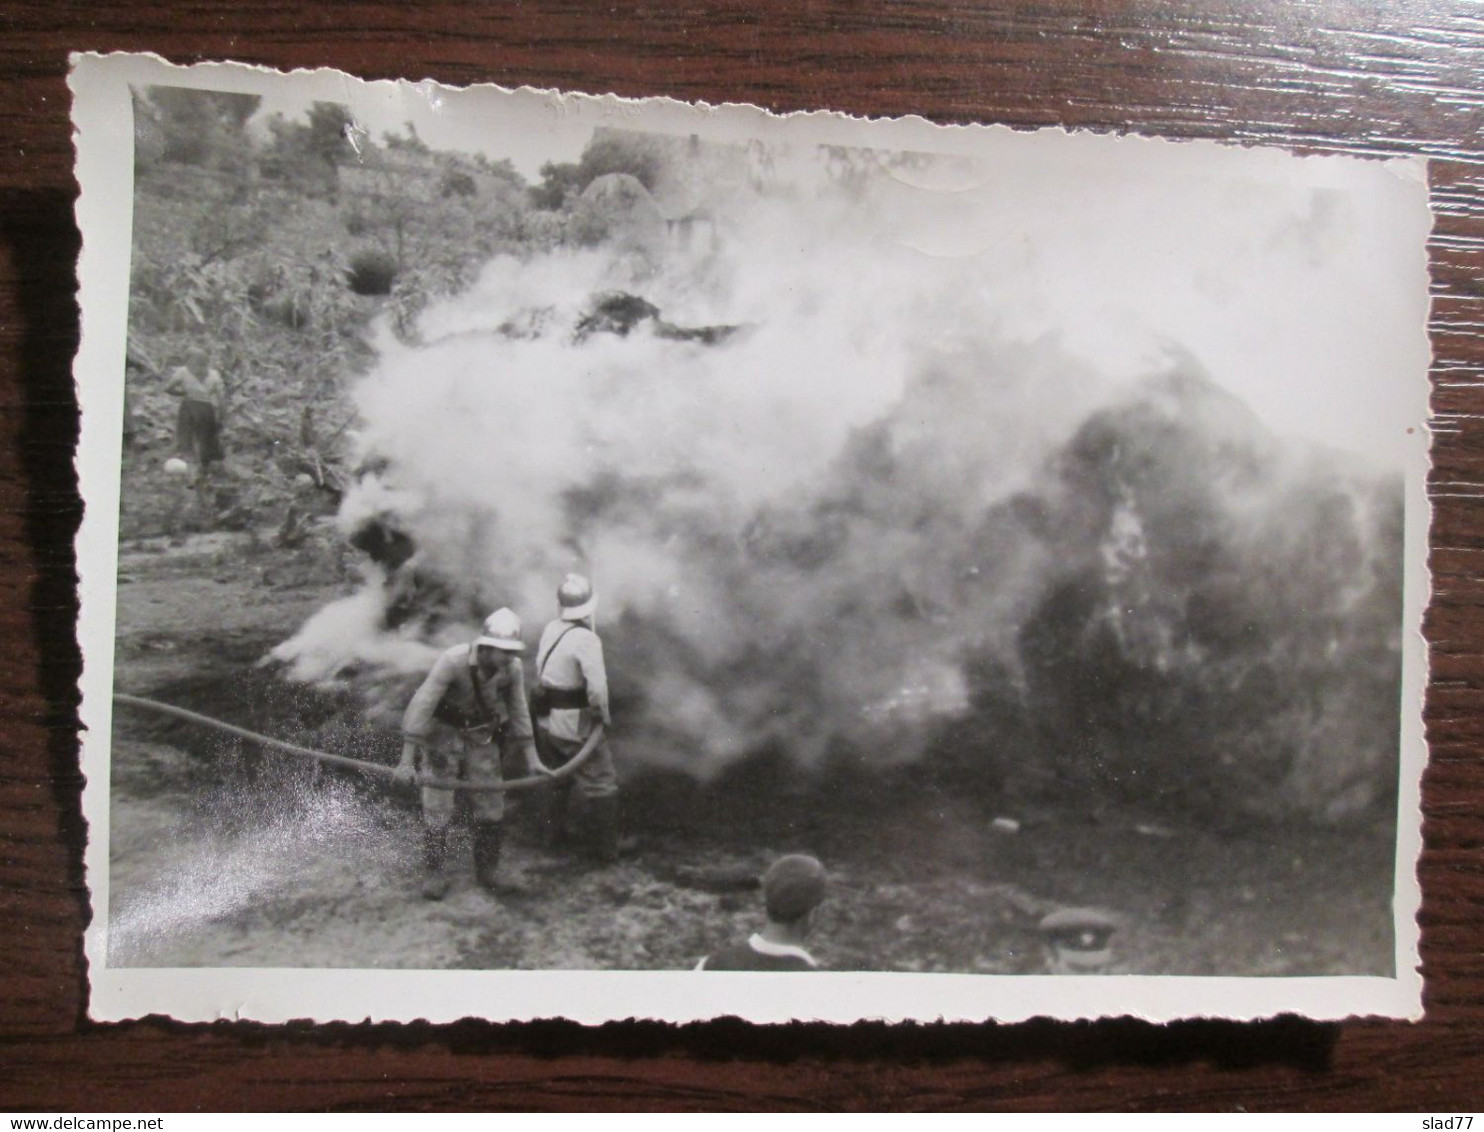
(571, 696)
(472, 704)
(793, 889)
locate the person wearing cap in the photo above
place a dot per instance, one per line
(471, 702)
(571, 697)
(1077, 941)
(793, 890)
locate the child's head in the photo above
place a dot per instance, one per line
(792, 888)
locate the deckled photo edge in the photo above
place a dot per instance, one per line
(104, 149)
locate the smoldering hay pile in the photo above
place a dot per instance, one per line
(874, 523)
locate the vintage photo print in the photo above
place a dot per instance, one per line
(559, 556)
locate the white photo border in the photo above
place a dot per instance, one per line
(103, 132)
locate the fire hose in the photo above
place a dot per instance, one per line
(475, 785)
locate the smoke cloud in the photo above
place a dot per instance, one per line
(813, 533)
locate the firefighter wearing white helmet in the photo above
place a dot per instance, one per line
(472, 703)
(570, 698)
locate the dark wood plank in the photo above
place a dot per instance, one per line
(1323, 75)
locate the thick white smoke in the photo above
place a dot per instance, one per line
(789, 529)
(758, 587)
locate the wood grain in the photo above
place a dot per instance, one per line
(1321, 76)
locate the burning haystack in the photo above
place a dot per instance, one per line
(900, 516)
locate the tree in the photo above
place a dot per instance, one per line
(200, 127)
(557, 182)
(640, 156)
(457, 183)
(309, 154)
(410, 143)
(635, 154)
(329, 132)
(504, 169)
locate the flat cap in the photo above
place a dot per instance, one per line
(1078, 929)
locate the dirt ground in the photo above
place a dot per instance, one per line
(224, 856)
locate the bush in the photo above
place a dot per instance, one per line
(372, 273)
(457, 183)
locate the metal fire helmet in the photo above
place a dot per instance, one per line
(576, 598)
(501, 630)
(1077, 941)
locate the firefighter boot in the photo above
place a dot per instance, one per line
(603, 821)
(488, 837)
(435, 863)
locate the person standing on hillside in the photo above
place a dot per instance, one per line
(198, 423)
(472, 704)
(571, 697)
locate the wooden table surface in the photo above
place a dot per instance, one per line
(1325, 75)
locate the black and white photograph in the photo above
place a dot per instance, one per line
(558, 556)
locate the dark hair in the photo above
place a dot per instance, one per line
(793, 887)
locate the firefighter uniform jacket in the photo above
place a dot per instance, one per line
(457, 696)
(570, 658)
